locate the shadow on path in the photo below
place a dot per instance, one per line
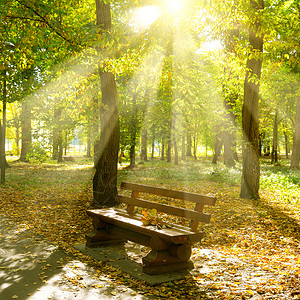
(276, 219)
(31, 268)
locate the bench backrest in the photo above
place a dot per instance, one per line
(195, 215)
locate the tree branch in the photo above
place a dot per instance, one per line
(23, 18)
(45, 21)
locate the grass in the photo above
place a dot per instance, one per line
(187, 175)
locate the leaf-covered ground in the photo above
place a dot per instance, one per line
(251, 249)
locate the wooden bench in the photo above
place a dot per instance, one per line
(170, 244)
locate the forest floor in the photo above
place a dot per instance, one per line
(251, 249)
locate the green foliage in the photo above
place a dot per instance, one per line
(37, 153)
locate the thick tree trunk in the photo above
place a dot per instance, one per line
(251, 168)
(26, 129)
(105, 178)
(295, 159)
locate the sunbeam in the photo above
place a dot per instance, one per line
(144, 16)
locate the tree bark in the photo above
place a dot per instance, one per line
(26, 129)
(144, 144)
(105, 178)
(295, 159)
(274, 155)
(195, 145)
(286, 143)
(133, 132)
(169, 143)
(251, 167)
(3, 130)
(229, 136)
(188, 143)
(88, 147)
(183, 147)
(162, 157)
(153, 144)
(217, 147)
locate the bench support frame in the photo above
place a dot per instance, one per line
(164, 256)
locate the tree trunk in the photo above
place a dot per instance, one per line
(251, 168)
(195, 145)
(144, 144)
(229, 142)
(183, 147)
(162, 157)
(274, 155)
(169, 148)
(60, 148)
(88, 147)
(57, 135)
(295, 159)
(105, 178)
(133, 132)
(144, 135)
(217, 147)
(26, 130)
(188, 143)
(260, 144)
(153, 145)
(229, 136)
(17, 140)
(286, 142)
(122, 154)
(3, 131)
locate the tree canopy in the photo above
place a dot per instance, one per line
(183, 73)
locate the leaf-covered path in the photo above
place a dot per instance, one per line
(251, 250)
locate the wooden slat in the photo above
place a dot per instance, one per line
(118, 217)
(171, 210)
(192, 197)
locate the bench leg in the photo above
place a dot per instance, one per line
(175, 258)
(100, 237)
